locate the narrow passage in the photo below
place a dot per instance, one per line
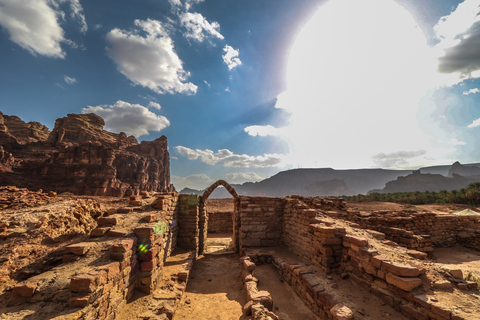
(214, 290)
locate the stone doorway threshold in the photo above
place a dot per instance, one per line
(219, 243)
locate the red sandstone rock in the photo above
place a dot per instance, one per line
(80, 157)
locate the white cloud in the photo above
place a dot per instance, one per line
(146, 56)
(227, 89)
(194, 181)
(206, 82)
(262, 131)
(33, 25)
(198, 28)
(459, 33)
(154, 105)
(456, 142)
(228, 158)
(241, 177)
(69, 80)
(133, 119)
(230, 57)
(471, 91)
(397, 160)
(76, 13)
(186, 3)
(474, 124)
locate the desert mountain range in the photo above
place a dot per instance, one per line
(331, 182)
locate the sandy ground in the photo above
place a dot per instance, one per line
(391, 206)
(214, 291)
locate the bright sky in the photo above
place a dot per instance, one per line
(245, 88)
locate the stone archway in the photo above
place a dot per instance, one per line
(203, 221)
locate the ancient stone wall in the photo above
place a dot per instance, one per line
(420, 230)
(261, 221)
(220, 222)
(188, 221)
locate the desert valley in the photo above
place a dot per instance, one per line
(92, 228)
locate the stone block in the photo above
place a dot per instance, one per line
(400, 269)
(83, 283)
(79, 302)
(442, 284)
(248, 265)
(99, 231)
(406, 284)
(147, 230)
(417, 254)
(148, 265)
(124, 245)
(112, 269)
(79, 249)
(24, 289)
(341, 312)
(117, 234)
(110, 220)
(358, 241)
(124, 210)
(264, 298)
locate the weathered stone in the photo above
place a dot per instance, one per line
(442, 284)
(79, 249)
(406, 284)
(24, 289)
(400, 269)
(341, 312)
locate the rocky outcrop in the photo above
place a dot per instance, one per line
(418, 181)
(463, 170)
(22, 132)
(78, 156)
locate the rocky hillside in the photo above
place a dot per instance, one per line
(79, 156)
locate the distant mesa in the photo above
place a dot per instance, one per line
(79, 156)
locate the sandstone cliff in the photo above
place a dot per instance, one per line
(78, 156)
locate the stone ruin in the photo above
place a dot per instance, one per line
(127, 247)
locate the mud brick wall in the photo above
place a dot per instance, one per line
(393, 282)
(261, 221)
(421, 230)
(302, 279)
(296, 230)
(327, 245)
(449, 230)
(167, 204)
(150, 256)
(188, 221)
(220, 222)
(104, 290)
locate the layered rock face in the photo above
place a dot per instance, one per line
(78, 156)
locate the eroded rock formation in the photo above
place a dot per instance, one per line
(78, 156)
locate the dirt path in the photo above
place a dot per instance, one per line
(214, 291)
(287, 305)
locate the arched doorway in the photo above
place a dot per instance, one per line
(203, 221)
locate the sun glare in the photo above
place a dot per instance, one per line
(355, 75)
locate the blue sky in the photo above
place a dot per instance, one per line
(244, 89)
